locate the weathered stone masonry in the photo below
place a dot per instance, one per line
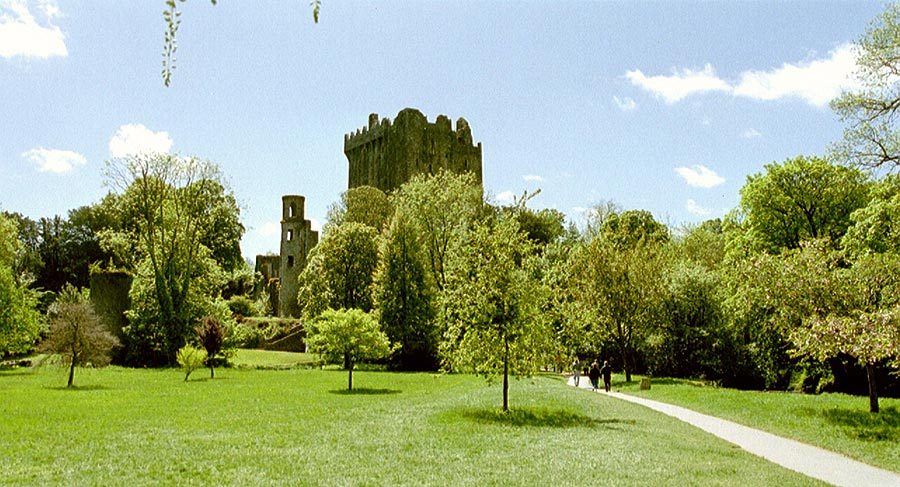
(387, 154)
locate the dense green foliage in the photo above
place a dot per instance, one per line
(185, 223)
(20, 323)
(492, 303)
(404, 298)
(350, 336)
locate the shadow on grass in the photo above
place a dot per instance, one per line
(75, 388)
(538, 417)
(364, 392)
(883, 426)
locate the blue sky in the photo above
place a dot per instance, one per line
(663, 106)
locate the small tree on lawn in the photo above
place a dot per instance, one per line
(77, 334)
(211, 335)
(349, 335)
(494, 327)
(190, 358)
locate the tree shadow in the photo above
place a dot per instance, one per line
(866, 426)
(77, 388)
(362, 391)
(538, 418)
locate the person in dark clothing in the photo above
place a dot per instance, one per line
(594, 375)
(606, 371)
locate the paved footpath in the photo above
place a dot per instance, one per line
(809, 460)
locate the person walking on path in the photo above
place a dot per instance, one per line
(576, 373)
(606, 371)
(594, 375)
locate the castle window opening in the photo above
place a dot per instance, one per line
(290, 261)
(290, 235)
(291, 211)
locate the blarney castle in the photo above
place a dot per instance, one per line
(383, 154)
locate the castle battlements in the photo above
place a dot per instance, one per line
(385, 154)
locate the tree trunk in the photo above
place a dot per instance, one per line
(626, 365)
(71, 373)
(210, 370)
(873, 391)
(349, 371)
(506, 376)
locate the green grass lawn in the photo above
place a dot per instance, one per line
(272, 359)
(836, 422)
(301, 427)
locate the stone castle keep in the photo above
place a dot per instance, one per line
(383, 155)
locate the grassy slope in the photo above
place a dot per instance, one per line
(299, 427)
(837, 422)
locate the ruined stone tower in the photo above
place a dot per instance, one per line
(297, 238)
(385, 155)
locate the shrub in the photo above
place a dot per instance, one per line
(242, 305)
(190, 359)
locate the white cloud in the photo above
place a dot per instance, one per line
(679, 85)
(580, 209)
(625, 104)
(133, 139)
(506, 197)
(22, 35)
(269, 229)
(534, 178)
(695, 208)
(54, 160)
(751, 133)
(816, 82)
(700, 176)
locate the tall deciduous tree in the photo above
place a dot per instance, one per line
(19, 320)
(403, 298)
(869, 111)
(441, 207)
(77, 333)
(363, 204)
(492, 303)
(340, 271)
(617, 280)
(863, 319)
(349, 335)
(175, 204)
(805, 198)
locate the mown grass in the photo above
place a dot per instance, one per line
(300, 427)
(836, 422)
(272, 359)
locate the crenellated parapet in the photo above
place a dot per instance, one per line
(385, 154)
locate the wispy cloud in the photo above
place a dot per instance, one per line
(533, 178)
(750, 133)
(625, 104)
(54, 160)
(693, 207)
(133, 139)
(22, 35)
(506, 197)
(679, 85)
(699, 176)
(816, 81)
